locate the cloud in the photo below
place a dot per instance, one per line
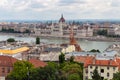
(115, 3)
(71, 2)
(51, 9)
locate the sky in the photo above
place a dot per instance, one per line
(52, 9)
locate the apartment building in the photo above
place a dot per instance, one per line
(105, 68)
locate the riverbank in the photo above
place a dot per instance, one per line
(95, 38)
(107, 39)
(85, 44)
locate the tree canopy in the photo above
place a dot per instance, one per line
(61, 58)
(24, 70)
(37, 40)
(95, 75)
(20, 71)
(116, 76)
(11, 40)
(93, 50)
(72, 71)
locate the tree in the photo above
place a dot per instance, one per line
(102, 32)
(72, 59)
(37, 40)
(27, 31)
(93, 50)
(61, 58)
(11, 40)
(44, 73)
(20, 71)
(116, 76)
(95, 75)
(72, 71)
(74, 76)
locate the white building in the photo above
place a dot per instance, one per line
(62, 29)
(105, 68)
(114, 30)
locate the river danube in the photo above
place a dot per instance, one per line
(85, 45)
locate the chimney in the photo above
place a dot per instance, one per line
(94, 60)
(110, 61)
(115, 56)
(87, 54)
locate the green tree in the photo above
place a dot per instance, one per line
(27, 31)
(20, 71)
(74, 76)
(93, 50)
(102, 32)
(95, 75)
(61, 58)
(44, 73)
(11, 40)
(71, 71)
(72, 59)
(37, 40)
(116, 76)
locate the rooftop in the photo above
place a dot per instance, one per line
(37, 63)
(18, 50)
(96, 62)
(7, 61)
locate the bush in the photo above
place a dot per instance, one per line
(11, 40)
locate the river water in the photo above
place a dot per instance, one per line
(85, 45)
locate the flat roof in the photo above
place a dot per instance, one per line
(18, 50)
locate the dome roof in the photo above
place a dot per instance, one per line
(62, 19)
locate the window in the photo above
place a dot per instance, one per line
(91, 67)
(91, 73)
(108, 74)
(86, 78)
(102, 78)
(113, 68)
(8, 69)
(96, 67)
(86, 71)
(102, 70)
(108, 68)
(3, 70)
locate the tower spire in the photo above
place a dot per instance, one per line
(62, 19)
(61, 15)
(73, 41)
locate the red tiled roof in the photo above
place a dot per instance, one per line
(37, 63)
(100, 62)
(90, 60)
(118, 61)
(82, 59)
(7, 61)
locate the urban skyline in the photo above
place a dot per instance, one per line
(52, 9)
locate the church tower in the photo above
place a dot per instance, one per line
(73, 41)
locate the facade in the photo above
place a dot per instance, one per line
(105, 68)
(107, 63)
(6, 66)
(7, 62)
(62, 29)
(114, 30)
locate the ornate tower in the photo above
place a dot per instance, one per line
(73, 41)
(62, 19)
